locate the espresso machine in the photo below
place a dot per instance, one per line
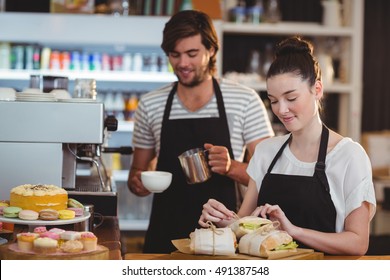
(51, 143)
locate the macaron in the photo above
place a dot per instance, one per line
(78, 211)
(73, 203)
(66, 214)
(28, 215)
(48, 214)
(11, 211)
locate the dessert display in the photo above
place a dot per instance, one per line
(31, 204)
(38, 197)
(55, 241)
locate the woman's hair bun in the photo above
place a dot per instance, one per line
(293, 45)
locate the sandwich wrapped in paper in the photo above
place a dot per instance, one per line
(208, 241)
(265, 241)
(213, 241)
(248, 224)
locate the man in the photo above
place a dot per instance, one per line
(197, 111)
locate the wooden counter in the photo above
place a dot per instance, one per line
(177, 257)
(108, 234)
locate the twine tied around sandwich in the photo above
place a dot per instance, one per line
(215, 231)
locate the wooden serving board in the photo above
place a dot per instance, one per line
(8, 252)
(300, 254)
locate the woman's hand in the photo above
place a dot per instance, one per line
(275, 213)
(214, 211)
(219, 158)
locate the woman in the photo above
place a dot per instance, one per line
(315, 182)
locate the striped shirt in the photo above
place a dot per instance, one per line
(246, 114)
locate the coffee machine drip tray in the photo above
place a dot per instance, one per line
(88, 190)
(93, 184)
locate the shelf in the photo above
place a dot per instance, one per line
(78, 29)
(104, 76)
(286, 28)
(125, 225)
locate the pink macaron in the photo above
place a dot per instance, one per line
(78, 211)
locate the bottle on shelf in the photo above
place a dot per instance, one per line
(186, 5)
(272, 13)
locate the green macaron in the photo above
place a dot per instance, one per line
(73, 203)
(11, 211)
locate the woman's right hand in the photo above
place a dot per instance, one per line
(136, 186)
(215, 212)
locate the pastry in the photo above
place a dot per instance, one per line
(40, 230)
(28, 215)
(57, 230)
(89, 241)
(73, 203)
(38, 197)
(66, 214)
(45, 245)
(11, 211)
(25, 240)
(70, 235)
(78, 211)
(48, 214)
(49, 234)
(72, 246)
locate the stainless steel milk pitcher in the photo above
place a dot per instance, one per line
(195, 165)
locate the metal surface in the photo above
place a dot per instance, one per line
(195, 166)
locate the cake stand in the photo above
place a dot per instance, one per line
(37, 223)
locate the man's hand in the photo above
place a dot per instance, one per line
(219, 158)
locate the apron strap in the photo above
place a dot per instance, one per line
(320, 165)
(278, 154)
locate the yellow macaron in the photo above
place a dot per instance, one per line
(66, 214)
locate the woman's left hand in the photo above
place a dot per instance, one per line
(219, 158)
(274, 213)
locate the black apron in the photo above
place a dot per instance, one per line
(305, 200)
(176, 211)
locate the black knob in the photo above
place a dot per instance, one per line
(111, 123)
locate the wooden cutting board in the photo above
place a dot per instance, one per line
(7, 252)
(301, 254)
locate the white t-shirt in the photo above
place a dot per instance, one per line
(246, 115)
(348, 170)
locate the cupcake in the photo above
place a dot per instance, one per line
(89, 241)
(72, 246)
(25, 240)
(45, 245)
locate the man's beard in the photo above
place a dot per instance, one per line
(197, 80)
